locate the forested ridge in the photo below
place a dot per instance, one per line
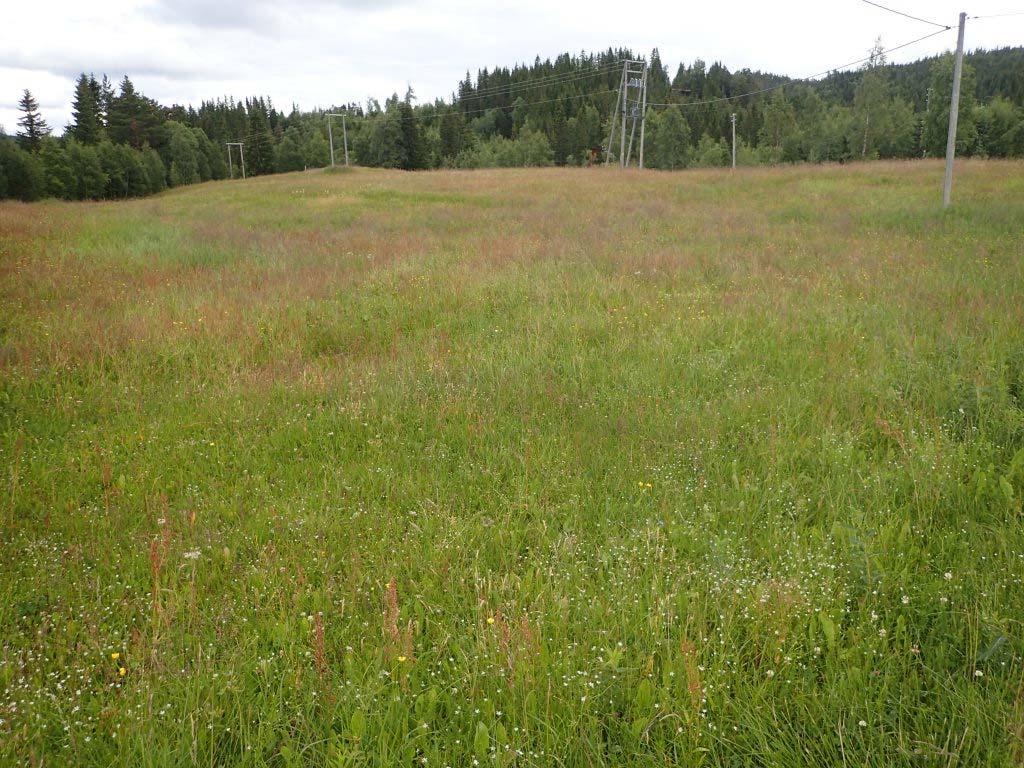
(121, 143)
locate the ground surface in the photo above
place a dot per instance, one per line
(517, 468)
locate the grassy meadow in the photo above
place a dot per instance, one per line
(550, 467)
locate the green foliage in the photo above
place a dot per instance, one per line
(1000, 129)
(114, 168)
(87, 171)
(154, 170)
(288, 154)
(453, 134)
(380, 142)
(209, 159)
(669, 139)
(412, 147)
(22, 171)
(124, 169)
(182, 155)
(561, 141)
(190, 156)
(317, 151)
(59, 176)
(712, 153)
(530, 148)
(585, 135)
(779, 132)
(936, 120)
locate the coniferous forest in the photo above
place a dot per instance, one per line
(121, 143)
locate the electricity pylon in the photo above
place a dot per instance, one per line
(631, 105)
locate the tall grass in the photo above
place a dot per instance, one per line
(518, 468)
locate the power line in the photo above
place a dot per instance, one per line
(568, 77)
(555, 76)
(799, 80)
(562, 78)
(999, 15)
(906, 15)
(530, 103)
(447, 108)
(545, 81)
(441, 112)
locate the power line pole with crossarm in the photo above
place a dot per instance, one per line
(330, 134)
(241, 155)
(954, 108)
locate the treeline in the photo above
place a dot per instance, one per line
(558, 112)
(878, 111)
(122, 144)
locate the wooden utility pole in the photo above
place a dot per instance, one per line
(330, 139)
(625, 101)
(330, 134)
(344, 137)
(643, 117)
(241, 154)
(954, 109)
(611, 132)
(732, 119)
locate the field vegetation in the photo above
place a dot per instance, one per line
(550, 467)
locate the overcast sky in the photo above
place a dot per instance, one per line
(318, 52)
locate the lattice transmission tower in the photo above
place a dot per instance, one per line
(631, 106)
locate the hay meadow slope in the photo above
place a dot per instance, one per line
(516, 468)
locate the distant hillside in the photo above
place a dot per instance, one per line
(550, 112)
(998, 73)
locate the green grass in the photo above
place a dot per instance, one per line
(698, 469)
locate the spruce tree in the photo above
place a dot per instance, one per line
(415, 154)
(33, 127)
(657, 79)
(106, 99)
(121, 114)
(85, 111)
(259, 145)
(453, 133)
(560, 143)
(133, 119)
